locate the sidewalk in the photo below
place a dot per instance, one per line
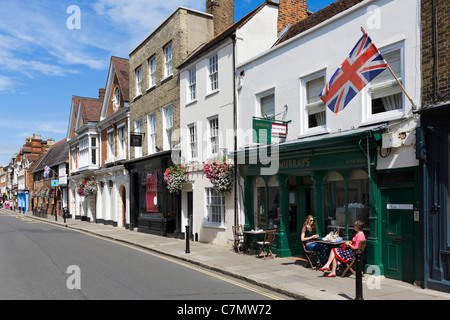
(285, 275)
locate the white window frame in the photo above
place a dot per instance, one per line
(122, 141)
(193, 141)
(138, 73)
(111, 145)
(138, 129)
(213, 73)
(168, 127)
(168, 68)
(93, 149)
(213, 135)
(215, 208)
(152, 72)
(259, 98)
(74, 159)
(116, 98)
(83, 152)
(192, 84)
(368, 117)
(151, 120)
(306, 107)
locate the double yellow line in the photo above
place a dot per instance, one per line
(186, 265)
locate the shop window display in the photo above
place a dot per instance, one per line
(356, 200)
(274, 203)
(334, 192)
(260, 204)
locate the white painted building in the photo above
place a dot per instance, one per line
(207, 118)
(301, 66)
(332, 166)
(98, 132)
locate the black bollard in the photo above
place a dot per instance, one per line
(187, 239)
(358, 261)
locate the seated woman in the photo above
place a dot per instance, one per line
(345, 252)
(309, 234)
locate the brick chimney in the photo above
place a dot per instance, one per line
(290, 12)
(223, 12)
(101, 93)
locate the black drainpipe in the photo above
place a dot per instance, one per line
(236, 220)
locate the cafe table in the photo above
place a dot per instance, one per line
(252, 237)
(331, 244)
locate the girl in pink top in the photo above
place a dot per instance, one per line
(345, 252)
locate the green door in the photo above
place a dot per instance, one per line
(398, 233)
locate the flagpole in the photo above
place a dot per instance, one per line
(396, 79)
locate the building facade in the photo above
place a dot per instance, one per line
(433, 145)
(357, 165)
(49, 196)
(155, 117)
(113, 128)
(208, 116)
(83, 139)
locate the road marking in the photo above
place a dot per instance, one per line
(271, 296)
(173, 260)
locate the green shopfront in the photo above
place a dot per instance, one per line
(332, 178)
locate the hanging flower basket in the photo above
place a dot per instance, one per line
(43, 193)
(174, 176)
(87, 188)
(220, 173)
(51, 193)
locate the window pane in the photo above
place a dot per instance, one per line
(193, 141)
(358, 198)
(334, 199)
(214, 135)
(268, 106)
(393, 59)
(260, 204)
(386, 93)
(313, 90)
(215, 206)
(213, 73)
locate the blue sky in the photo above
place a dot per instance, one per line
(43, 62)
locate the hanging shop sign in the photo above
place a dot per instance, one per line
(264, 129)
(135, 139)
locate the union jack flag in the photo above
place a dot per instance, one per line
(46, 171)
(363, 64)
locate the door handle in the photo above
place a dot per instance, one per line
(399, 239)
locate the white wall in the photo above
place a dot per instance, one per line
(256, 36)
(324, 48)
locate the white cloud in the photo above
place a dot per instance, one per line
(41, 126)
(138, 18)
(34, 39)
(6, 84)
